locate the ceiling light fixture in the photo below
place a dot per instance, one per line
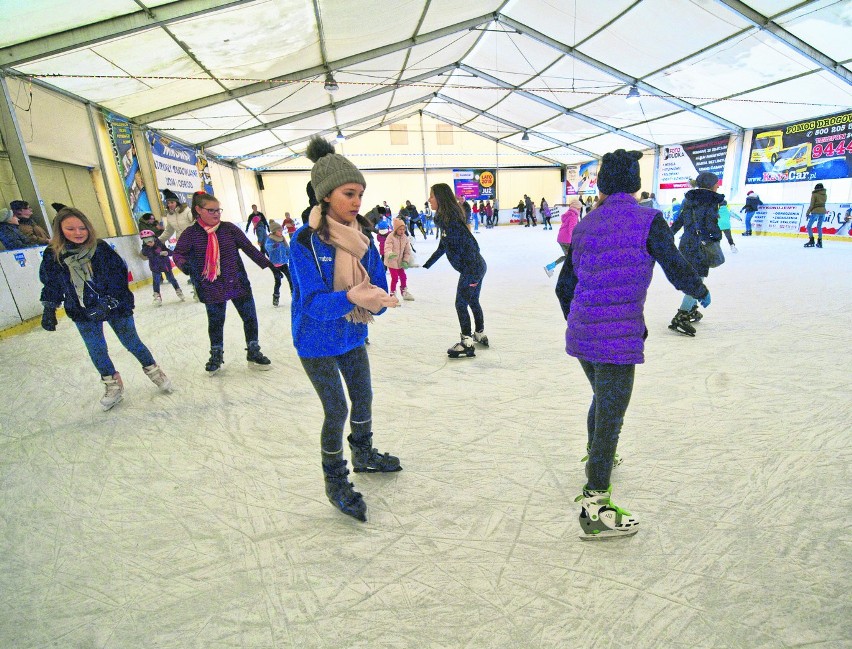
(340, 137)
(633, 95)
(330, 84)
(525, 137)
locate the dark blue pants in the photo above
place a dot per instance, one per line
(157, 277)
(216, 320)
(324, 373)
(93, 337)
(612, 386)
(467, 295)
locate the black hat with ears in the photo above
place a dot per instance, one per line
(619, 172)
(169, 195)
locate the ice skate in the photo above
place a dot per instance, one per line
(463, 349)
(549, 269)
(600, 518)
(366, 459)
(113, 391)
(734, 249)
(341, 492)
(694, 314)
(406, 295)
(158, 300)
(256, 360)
(179, 294)
(680, 323)
(810, 243)
(819, 243)
(216, 360)
(159, 377)
(275, 298)
(480, 338)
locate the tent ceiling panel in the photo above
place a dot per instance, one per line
(811, 96)
(305, 127)
(451, 111)
(379, 70)
(440, 52)
(45, 17)
(473, 91)
(286, 100)
(825, 28)
(609, 142)
(207, 123)
(402, 95)
(755, 60)
(226, 42)
(615, 110)
(557, 20)
(534, 143)
(514, 57)
(680, 127)
(658, 32)
(771, 8)
(349, 25)
(447, 12)
(253, 142)
(362, 109)
(587, 83)
(523, 111)
(491, 127)
(569, 128)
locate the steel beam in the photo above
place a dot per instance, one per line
(311, 72)
(88, 35)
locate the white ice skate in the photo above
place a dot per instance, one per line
(600, 518)
(114, 391)
(159, 377)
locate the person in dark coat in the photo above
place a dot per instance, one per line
(90, 279)
(10, 236)
(751, 206)
(149, 222)
(209, 252)
(602, 290)
(160, 263)
(462, 251)
(699, 219)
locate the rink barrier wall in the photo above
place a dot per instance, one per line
(20, 287)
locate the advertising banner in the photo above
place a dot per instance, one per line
(121, 139)
(810, 150)
(179, 168)
(475, 184)
(837, 220)
(680, 163)
(778, 218)
(581, 180)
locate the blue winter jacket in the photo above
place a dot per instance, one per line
(110, 278)
(317, 311)
(278, 251)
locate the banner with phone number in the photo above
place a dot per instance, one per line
(805, 151)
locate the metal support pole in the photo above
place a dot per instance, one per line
(239, 192)
(22, 168)
(655, 178)
(736, 181)
(423, 150)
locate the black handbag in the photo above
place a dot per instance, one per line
(713, 254)
(104, 308)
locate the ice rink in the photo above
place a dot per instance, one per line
(198, 520)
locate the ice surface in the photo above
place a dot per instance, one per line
(199, 520)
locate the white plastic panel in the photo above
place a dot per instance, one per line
(473, 91)
(451, 111)
(511, 57)
(356, 25)
(287, 100)
(557, 19)
(523, 111)
(491, 127)
(440, 52)
(825, 25)
(617, 111)
(207, 123)
(306, 127)
(570, 82)
(568, 128)
(246, 144)
(532, 144)
(609, 142)
(680, 127)
(443, 13)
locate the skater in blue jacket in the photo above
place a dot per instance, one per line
(338, 286)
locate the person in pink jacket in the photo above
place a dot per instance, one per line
(569, 220)
(397, 257)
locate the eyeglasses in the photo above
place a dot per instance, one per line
(218, 210)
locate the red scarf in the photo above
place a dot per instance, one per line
(212, 267)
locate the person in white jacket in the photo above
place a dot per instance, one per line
(178, 216)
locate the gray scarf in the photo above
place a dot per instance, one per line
(79, 262)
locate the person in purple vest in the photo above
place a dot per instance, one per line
(602, 289)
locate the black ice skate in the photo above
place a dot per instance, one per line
(694, 314)
(256, 360)
(216, 360)
(366, 459)
(341, 492)
(810, 243)
(680, 323)
(463, 349)
(480, 338)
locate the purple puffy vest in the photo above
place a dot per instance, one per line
(614, 270)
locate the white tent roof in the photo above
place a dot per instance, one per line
(244, 78)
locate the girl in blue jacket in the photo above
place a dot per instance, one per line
(278, 251)
(462, 251)
(338, 285)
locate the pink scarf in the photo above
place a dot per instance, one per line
(212, 265)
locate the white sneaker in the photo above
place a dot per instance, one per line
(158, 300)
(406, 295)
(734, 249)
(114, 390)
(179, 293)
(159, 377)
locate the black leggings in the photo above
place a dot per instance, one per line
(467, 295)
(216, 320)
(284, 268)
(324, 372)
(728, 236)
(612, 386)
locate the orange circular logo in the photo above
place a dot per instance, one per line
(486, 179)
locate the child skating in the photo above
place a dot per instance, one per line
(398, 257)
(278, 251)
(160, 263)
(339, 284)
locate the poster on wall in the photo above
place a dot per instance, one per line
(179, 168)
(810, 150)
(475, 184)
(778, 218)
(681, 163)
(581, 180)
(837, 220)
(124, 151)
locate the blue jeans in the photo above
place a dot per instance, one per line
(158, 278)
(216, 320)
(467, 295)
(93, 337)
(612, 386)
(748, 221)
(819, 219)
(324, 373)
